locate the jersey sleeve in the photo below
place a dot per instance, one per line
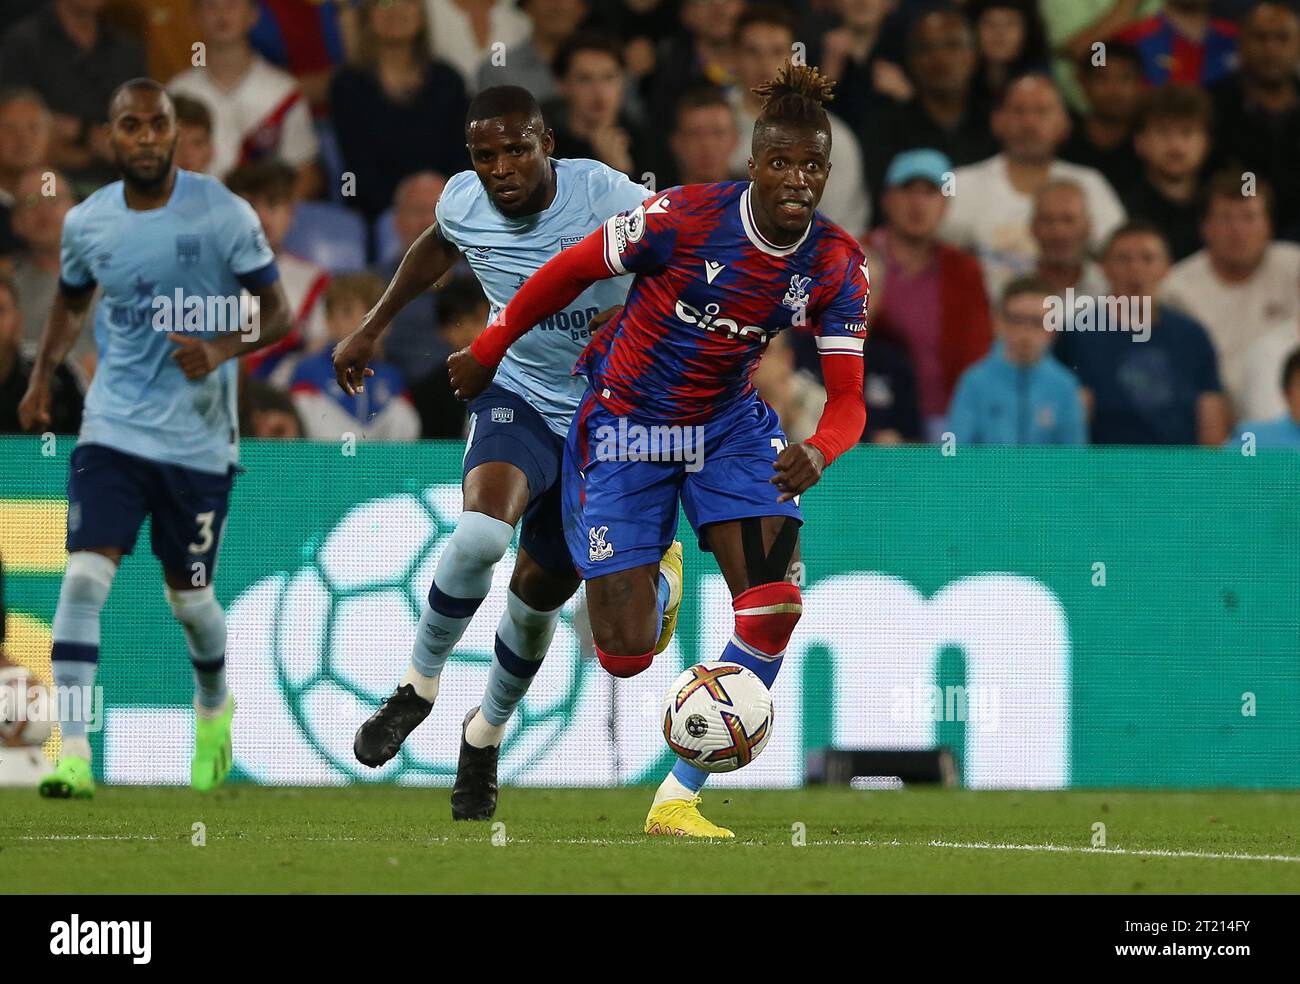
(245, 247)
(612, 192)
(842, 327)
(642, 239)
(451, 208)
(75, 276)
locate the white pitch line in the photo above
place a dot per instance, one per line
(1123, 852)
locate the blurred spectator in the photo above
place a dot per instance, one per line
(462, 314)
(1242, 285)
(412, 341)
(528, 63)
(590, 121)
(1183, 43)
(1061, 232)
(936, 302)
(193, 134)
(464, 33)
(866, 60)
(16, 369)
(268, 187)
(258, 111)
(889, 389)
(705, 52)
(1102, 137)
(166, 28)
(993, 200)
(1084, 29)
(705, 138)
(642, 25)
(1283, 429)
(265, 411)
(14, 11)
(71, 57)
(24, 142)
(1149, 371)
(1018, 393)
(1257, 110)
(1010, 42)
(1259, 397)
(1173, 142)
(764, 42)
(42, 200)
(309, 39)
(382, 411)
(396, 111)
(943, 114)
(796, 396)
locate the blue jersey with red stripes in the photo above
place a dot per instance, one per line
(1167, 56)
(709, 293)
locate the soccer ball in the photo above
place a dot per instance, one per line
(18, 698)
(717, 716)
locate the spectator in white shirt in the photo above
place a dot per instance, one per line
(466, 33)
(1061, 232)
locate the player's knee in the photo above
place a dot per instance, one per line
(623, 646)
(201, 615)
(624, 666)
(480, 538)
(766, 616)
(86, 582)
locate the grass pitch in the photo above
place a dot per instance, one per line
(392, 839)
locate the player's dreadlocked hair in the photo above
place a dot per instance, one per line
(794, 98)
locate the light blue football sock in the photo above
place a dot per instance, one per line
(521, 643)
(204, 624)
(75, 653)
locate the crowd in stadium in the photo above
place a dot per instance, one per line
(997, 159)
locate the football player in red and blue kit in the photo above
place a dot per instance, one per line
(671, 414)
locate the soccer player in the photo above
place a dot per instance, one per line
(720, 269)
(159, 436)
(515, 210)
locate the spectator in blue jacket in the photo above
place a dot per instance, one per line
(1019, 393)
(1280, 432)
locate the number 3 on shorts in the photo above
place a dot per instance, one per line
(204, 522)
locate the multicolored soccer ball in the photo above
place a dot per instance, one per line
(717, 716)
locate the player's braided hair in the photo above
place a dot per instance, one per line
(795, 98)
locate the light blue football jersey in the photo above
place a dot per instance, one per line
(504, 252)
(205, 243)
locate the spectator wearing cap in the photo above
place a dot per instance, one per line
(936, 303)
(1183, 43)
(16, 369)
(1061, 232)
(1283, 430)
(704, 138)
(993, 200)
(1243, 285)
(25, 126)
(1018, 393)
(528, 63)
(1149, 372)
(1102, 136)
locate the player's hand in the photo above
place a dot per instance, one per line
(604, 318)
(34, 409)
(195, 356)
(798, 468)
(350, 358)
(467, 375)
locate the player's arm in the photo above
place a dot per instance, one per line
(425, 263)
(62, 329)
(274, 319)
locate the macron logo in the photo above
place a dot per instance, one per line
(103, 938)
(712, 269)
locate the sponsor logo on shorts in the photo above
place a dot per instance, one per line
(503, 415)
(599, 549)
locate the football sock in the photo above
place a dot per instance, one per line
(75, 653)
(521, 643)
(460, 583)
(426, 687)
(204, 624)
(481, 734)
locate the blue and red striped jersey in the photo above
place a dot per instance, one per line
(1167, 56)
(709, 293)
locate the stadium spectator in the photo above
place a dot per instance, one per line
(166, 28)
(1242, 285)
(16, 369)
(193, 134)
(705, 53)
(42, 200)
(412, 342)
(705, 138)
(396, 111)
(1259, 397)
(866, 59)
(1183, 43)
(889, 390)
(1149, 372)
(943, 114)
(382, 411)
(464, 33)
(1102, 137)
(993, 200)
(1281, 430)
(268, 187)
(796, 395)
(258, 111)
(462, 314)
(309, 39)
(1257, 109)
(1173, 142)
(642, 25)
(1010, 43)
(67, 53)
(936, 303)
(266, 411)
(1018, 393)
(1079, 30)
(765, 38)
(1061, 232)
(528, 63)
(24, 142)
(590, 121)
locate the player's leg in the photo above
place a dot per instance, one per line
(106, 506)
(188, 510)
